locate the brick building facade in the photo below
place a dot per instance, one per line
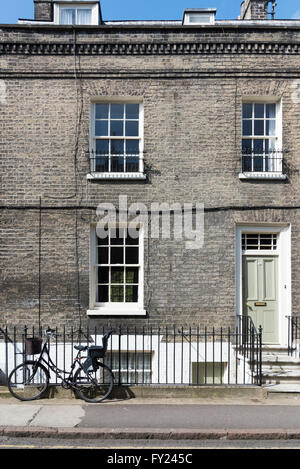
(199, 86)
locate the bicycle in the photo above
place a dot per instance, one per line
(92, 381)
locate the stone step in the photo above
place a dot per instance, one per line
(283, 375)
(286, 388)
(281, 360)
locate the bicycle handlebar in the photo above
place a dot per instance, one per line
(50, 333)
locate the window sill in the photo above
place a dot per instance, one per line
(107, 311)
(265, 176)
(127, 176)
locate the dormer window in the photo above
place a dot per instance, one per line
(75, 16)
(75, 13)
(193, 17)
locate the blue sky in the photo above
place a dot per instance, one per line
(11, 10)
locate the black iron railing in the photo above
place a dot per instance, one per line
(263, 162)
(117, 163)
(156, 355)
(293, 335)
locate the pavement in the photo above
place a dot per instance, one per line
(153, 419)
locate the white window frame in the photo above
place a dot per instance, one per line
(115, 308)
(110, 174)
(278, 138)
(94, 7)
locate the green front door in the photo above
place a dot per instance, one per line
(260, 294)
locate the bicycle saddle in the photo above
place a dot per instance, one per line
(81, 347)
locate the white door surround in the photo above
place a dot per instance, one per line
(283, 251)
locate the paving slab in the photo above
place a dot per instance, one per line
(16, 414)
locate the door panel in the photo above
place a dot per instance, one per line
(260, 294)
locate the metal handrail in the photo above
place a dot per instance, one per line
(293, 334)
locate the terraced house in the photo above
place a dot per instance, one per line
(170, 116)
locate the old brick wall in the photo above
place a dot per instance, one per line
(192, 143)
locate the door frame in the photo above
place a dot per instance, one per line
(284, 270)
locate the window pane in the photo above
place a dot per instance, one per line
(118, 238)
(117, 293)
(247, 127)
(259, 111)
(101, 111)
(117, 256)
(129, 241)
(132, 147)
(103, 293)
(132, 275)
(101, 164)
(258, 163)
(84, 16)
(247, 151)
(246, 146)
(247, 163)
(117, 275)
(102, 147)
(259, 127)
(117, 111)
(103, 275)
(270, 145)
(131, 294)
(247, 111)
(116, 128)
(258, 146)
(132, 111)
(132, 129)
(67, 16)
(102, 242)
(117, 164)
(132, 164)
(270, 127)
(103, 255)
(117, 147)
(101, 128)
(271, 111)
(132, 255)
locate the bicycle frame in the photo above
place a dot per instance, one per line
(65, 381)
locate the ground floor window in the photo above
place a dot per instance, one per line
(117, 271)
(130, 367)
(117, 268)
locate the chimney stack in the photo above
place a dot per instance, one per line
(43, 10)
(256, 9)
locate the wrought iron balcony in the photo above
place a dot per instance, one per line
(109, 166)
(271, 163)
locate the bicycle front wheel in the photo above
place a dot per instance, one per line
(94, 386)
(28, 381)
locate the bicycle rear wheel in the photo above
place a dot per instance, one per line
(94, 386)
(28, 381)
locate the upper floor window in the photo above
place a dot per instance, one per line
(261, 140)
(117, 140)
(74, 13)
